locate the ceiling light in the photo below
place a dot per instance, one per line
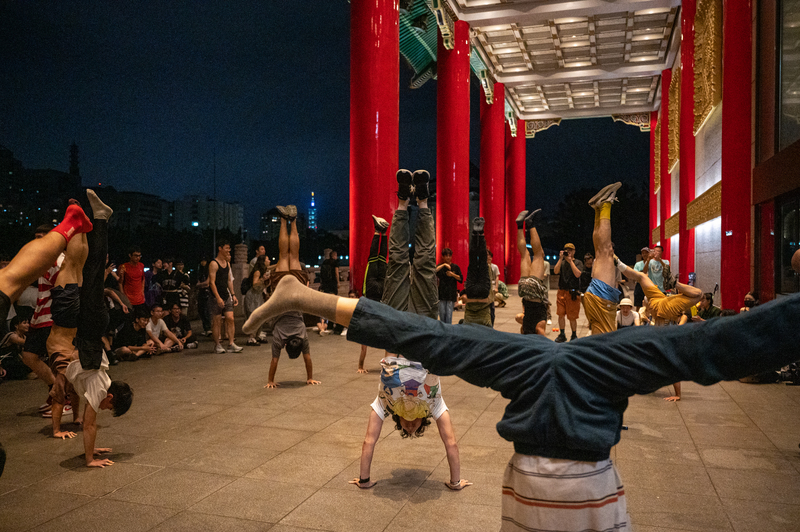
(502, 51)
(651, 11)
(644, 58)
(571, 20)
(578, 64)
(648, 37)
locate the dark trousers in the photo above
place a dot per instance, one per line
(479, 285)
(93, 315)
(203, 310)
(375, 275)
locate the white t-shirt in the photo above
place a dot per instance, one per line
(631, 319)
(405, 385)
(157, 329)
(90, 384)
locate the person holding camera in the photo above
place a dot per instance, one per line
(568, 301)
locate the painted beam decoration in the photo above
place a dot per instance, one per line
(657, 161)
(640, 120)
(674, 119)
(656, 235)
(707, 60)
(444, 22)
(671, 226)
(705, 207)
(534, 126)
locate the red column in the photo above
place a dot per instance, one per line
(736, 151)
(374, 122)
(653, 197)
(493, 198)
(515, 196)
(666, 180)
(452, 146)
(687, 167)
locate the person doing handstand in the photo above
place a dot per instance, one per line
(478, 299)
(375, 275)
(567, 400)
(532, 288)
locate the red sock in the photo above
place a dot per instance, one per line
(75, 221)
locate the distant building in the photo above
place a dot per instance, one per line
(198, 212)
(312, 214)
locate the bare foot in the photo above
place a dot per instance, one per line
(673, 399)
(271, 385)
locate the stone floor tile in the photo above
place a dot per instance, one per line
(674, 478)
(451, 516)
(193, 522)
(270, 438)
(396, 481)
(345, 511)
(95, 481)
(172, 488)
(664, 452)
(106, 515)
(485, 437)
(297, 468)
(338, 445)
(753, 485)
(313, 421)
(30, 506)
(656, 432)
(678, 510)
(706, 436)
(226, 460)
(752, 516)
(486, 488)
(745, 459)
(254, 499)
(662, 414)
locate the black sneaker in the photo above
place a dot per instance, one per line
(521, 219)
(421, 180)
(560, 338)
(404, 182)
(573, 337)
(477, 224)
(530, 220)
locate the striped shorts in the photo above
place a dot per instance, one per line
(548, 494)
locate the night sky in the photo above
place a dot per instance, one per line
(150, 91)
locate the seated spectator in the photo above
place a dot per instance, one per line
(750, 301)
(706, 308)
(132, 341)
(626, 317)
(501, 295)
(179, 325)
(157, 329)
(11, 349)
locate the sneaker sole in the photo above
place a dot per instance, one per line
(608, 190)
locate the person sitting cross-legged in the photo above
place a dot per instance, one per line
(180, 326)
(157, 329)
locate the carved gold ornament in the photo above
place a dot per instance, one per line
(674, 118)
(707, 60)
(657, 183)
(705, 207)
(534, 126)
(671, 226)
(640, 120)
(656, 236)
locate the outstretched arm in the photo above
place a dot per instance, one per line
(445, 427)
(367, 449)
(89, 437)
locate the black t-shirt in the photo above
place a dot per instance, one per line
(201, 276)
(168, 281)
(586, 278)
(181, 328)
(128, 336)
(448, 286)
(567, 279)
(327, 273)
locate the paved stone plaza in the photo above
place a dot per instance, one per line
(206, 447)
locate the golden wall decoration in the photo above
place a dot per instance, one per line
(707, 60)
(674, 118)
(656, 236)
(705, 207)
(640, 120)
(534, 126)
(671, 226)
(657, 157)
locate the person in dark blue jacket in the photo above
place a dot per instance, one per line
(566, 400)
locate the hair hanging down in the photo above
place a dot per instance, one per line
(426, 421)
(123, 397)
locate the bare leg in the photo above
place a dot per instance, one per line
(230, 326)
(294, 247)
(524, 256)
(36, 365)
(283, 247)
(361, 359)
(691, 292)
(72, 267)
(603, 268)
(537, 262)
(216, 328)
(677, 397)
(30, 263)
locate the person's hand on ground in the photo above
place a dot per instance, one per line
(362, 370)
(365, 485)
(100, 463)
(271, 385)
(312, 381)
(672, 399)
(460, 485)
(64, 434)
(101, 450)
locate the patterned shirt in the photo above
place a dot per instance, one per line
(41, 315)
(407, 389)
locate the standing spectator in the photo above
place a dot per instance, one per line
(654, 268)
(203, 296)
(223, 298)
(329, 283)
(638, 293)
(169, 281)
(586, 274)
(152, 290)
(131, 278)
(184, 285)
(261, 251)
(448, 275)
(568, 302)
(375, 275)
(494, 277)
(546, 280)
(255, 296)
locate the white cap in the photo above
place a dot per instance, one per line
(626, 301)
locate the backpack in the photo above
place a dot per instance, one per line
(327, 273)
(246, 285)
(669, 279)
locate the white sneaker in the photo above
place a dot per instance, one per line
(315, 328)
(233, 348)
(67, 410)
(344, 332)
(219, 349)
(549, 322)
(325, 332)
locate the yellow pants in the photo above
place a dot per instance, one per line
(668, 308)
(601, 313)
